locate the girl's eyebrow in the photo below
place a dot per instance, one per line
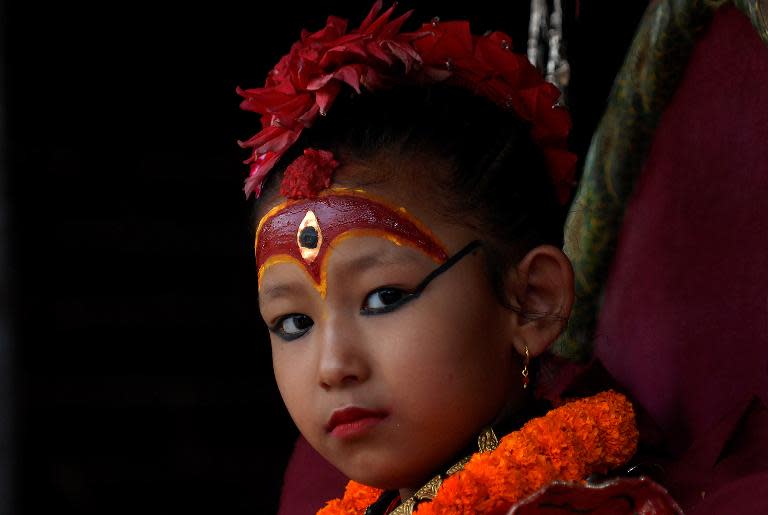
(376, 259)
(280, 290)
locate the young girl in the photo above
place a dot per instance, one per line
(412, 188)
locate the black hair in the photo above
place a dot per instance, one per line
(489, 174)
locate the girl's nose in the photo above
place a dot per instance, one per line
(343, 361)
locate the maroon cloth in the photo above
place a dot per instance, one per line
(684, 326)
(310, 481)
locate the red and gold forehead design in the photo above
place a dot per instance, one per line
(305, 231)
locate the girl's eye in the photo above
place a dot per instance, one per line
(290, 327)
(385, 300)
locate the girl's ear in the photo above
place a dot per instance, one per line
(540, 288)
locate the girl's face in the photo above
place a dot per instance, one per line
(390, 391)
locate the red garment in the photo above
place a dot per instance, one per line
(684, 325)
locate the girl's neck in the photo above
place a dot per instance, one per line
(406, 493)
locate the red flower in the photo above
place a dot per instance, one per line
(308, 174)
(306, 81)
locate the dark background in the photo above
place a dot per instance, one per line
(141, 377)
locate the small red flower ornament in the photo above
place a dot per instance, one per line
(308, 174)
(306, 81)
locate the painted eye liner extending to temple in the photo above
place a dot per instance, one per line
(468, 249)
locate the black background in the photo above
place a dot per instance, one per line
(142, 377)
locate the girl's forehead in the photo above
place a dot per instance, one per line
(306, 231)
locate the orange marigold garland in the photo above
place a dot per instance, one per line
(357, 497)
(580, 438)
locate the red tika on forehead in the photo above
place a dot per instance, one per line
(336, 215)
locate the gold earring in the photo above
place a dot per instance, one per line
(526, 361)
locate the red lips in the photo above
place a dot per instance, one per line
(353, 421)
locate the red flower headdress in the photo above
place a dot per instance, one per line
(305, 82)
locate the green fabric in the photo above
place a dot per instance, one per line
(649, 76)
(757, 12)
